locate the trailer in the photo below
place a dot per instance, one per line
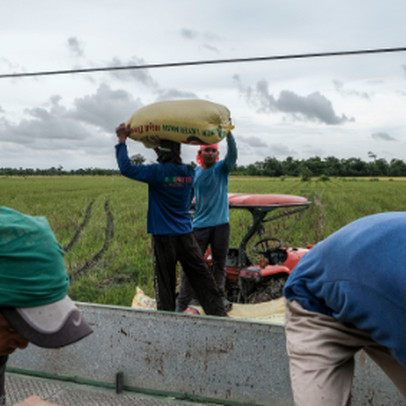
(141, 356)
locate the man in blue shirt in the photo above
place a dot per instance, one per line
(168, 220)
(211, 219)
(347, 294)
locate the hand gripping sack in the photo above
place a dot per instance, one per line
(196, 122)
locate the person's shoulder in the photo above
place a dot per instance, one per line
(186, 166)
(182, 168)
(148, 166)
(189, 168)
(152, 168)
(219, 165)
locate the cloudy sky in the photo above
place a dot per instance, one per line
(343, 106)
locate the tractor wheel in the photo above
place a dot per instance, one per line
(269, 289)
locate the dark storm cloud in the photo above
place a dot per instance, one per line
(382, 136)
(75, 46)
(44, 129)
(313, 107)
(106, 108)
(51, 126)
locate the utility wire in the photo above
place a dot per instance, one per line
(207, 62)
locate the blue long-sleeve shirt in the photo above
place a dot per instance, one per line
(358, 276)
(210, 188)
(169, 193)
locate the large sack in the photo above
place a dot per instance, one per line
(197, 122)
(267, 312)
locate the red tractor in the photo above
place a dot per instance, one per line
(250, 282)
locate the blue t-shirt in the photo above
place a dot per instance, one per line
(169, 193)
(358, 276)
(210, 188)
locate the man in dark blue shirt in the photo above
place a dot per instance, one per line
(169, 221)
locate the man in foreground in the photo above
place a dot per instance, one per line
(34, 306)
(348, 294)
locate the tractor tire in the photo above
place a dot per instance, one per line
(269, 289)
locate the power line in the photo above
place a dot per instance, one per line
(207, 62)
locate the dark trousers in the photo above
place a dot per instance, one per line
(218, 239)
(3, 362)
(168, 251)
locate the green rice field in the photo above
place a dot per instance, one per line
(100, 221)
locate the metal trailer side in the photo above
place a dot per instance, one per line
(199, 358)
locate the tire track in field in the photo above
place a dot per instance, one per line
(108, 238)
(79, 230)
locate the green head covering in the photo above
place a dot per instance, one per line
(32, 270)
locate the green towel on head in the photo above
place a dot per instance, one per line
(32, 270)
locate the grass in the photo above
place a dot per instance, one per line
(112, 254)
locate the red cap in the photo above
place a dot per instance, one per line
(202, 147)
(214, 146)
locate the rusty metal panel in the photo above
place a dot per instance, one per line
(199, 357)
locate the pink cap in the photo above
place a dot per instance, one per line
(202, 147)
(214, 146)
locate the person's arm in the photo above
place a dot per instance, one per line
(231, 156)
(192, 196)
(127, 169)
(122, 132)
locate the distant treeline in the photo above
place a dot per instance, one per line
(312, 167)
(329, 166)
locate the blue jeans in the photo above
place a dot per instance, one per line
(218, 239)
